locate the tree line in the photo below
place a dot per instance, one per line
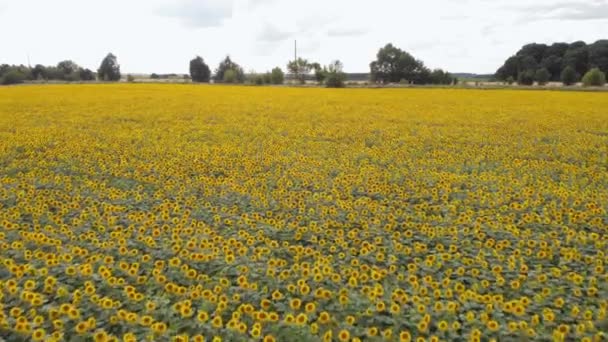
(392, 65)
(540, 63)
(560, 62)
(68, 71)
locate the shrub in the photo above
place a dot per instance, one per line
(13, 77)
(526, 78)
(594, 78)
(510, 80)
(542, 76)
(237, 75)
(335, 77)
(130, 78)
(154, 76)
(277, 76)
(569, 76)
(230, 76)
(86, 75)
(258, 80)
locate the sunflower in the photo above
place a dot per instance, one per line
(344, 335)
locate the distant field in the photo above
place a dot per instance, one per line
(165, 211)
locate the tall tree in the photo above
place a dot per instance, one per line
(577, 56)
(393, 65)
(536, 51)
(199, 71)
(277, 76)
(109, 70)
(598, 55)
(510, 69)
(300, 68)
(39, 72)
(236, 74)
(335, 76)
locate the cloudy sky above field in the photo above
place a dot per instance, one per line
(162, 35)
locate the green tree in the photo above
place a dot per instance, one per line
(109, 70)
(569, 76)
(335, 75)
(594, 78)
(199, 71)
(13, 76)
(39, 72)
(299, 68)
(577, 56)
(598, 55)
(509, 69)
(86, 74)
(393, 65)
(542, 76)
(277, 76)
(320, 72)
(526, 77)
(237, 75)
(439, 76)
(230, 76)
(68, 70)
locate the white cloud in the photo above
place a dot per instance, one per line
(199, 13)
(346, 32)
(570, 10)
(271, 33)
(163, 35)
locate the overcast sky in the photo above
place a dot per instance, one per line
(163, 35)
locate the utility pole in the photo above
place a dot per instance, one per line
(295, 59)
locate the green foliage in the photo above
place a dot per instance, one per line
(542, 76)
(556, 58)
(510, 80)
(86, 75)
(594, 78)
(130, 78)
(235, 71)
(569, 76)
(598, 55)
(154, 76)
(335, 76)
(299, 68)
(439, 76)
(13, 77)
(230, 76)
(393, 65)
(68, 70)
(109, 70)
(257, 79)
(320, 73)
(277, 76)
(199, 71)
(39, 72)
(526, 77)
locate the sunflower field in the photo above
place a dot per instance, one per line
(216, 213)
